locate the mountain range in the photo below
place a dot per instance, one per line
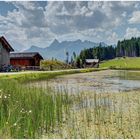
(58, 49)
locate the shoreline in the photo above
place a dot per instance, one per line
(25, 76)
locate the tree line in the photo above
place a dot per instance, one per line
(124, 48)
(129, 47)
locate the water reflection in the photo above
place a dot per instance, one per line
(100, 82)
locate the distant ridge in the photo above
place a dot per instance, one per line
(58, 49)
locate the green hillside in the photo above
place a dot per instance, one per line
(122, 63)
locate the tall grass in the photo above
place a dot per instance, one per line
(103, 116)
(27, 111)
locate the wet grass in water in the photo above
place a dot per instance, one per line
(37, 112)
(116, 119)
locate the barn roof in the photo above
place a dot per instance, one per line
(6, 44)
(25, 55)
(92, 60)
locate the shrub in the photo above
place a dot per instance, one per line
(54, 65)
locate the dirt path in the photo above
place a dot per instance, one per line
(24, 72)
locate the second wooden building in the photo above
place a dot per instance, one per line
(25, 59)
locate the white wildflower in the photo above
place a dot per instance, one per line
(22, 110)
(15, 124)
(5, 96)
(30, 111)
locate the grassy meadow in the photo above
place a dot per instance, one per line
(34, 112)
(122, 63)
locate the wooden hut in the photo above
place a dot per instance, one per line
(25, 59)
(92, 63)
(5, 49)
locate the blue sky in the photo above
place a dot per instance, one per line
(39, 23)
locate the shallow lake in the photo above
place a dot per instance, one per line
(106, 81)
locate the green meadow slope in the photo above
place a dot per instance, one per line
(122, 63)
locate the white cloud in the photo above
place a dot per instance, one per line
(32, 24)
(113, 38)
(32, 15)
(26, 26)
(127, 4)
(135, 17)
(65, 17)
(132, 32)
(124, 14)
